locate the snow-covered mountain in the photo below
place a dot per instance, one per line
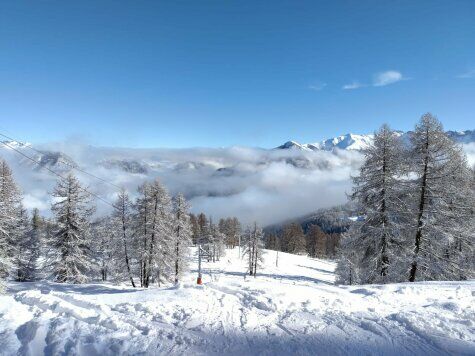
(359, 142)
(251, 183)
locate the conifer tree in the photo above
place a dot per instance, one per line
(440, 207)
(253, 244)
(10, 219)
(27, 248)
(122, 231)
(182, 235)
(293, 239)
(104, 247)
(155, 233)
(72, 209)
(378, 190)
(141, 232)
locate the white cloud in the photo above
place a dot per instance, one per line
(469, 74)
(389, 77)
(353, 85)
(317, 86)
(379, 80)
(267, 186)
(254, 184)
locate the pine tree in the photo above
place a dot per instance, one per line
(72, 209)
(378, 190)
(438, 191)
(182, 235)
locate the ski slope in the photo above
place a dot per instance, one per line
(293, 308)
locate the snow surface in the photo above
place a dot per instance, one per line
(291, 309)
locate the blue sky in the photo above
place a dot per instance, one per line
(220, 73)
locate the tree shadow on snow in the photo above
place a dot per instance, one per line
(281, 277)
(324, 271)
(85, 289)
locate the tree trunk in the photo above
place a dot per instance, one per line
(124, 238)
(420, 223)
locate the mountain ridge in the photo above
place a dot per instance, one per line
(358, 142)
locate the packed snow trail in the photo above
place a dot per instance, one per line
(293, 309)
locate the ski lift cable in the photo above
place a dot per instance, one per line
(57, 174)
(66, 163)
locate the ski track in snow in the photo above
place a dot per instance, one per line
(293, 309)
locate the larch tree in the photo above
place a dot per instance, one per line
(316, 241)
(293, 239)
(182, 234)
(72, 209)
(378, 190)
(154, 231)
(10, 219)
(217, 241)
(29, 268)
(104, 247)
(123, 232)
(141, 230)
(25, 249)
(253, 245)
(437, 213)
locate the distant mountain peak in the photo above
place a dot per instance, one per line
(357, 142)
(292, 145)
(15, 144)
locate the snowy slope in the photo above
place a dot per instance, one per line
(290, 309)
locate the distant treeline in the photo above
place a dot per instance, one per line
(314, 242)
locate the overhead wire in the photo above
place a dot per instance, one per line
(55, 173)
(66, 163)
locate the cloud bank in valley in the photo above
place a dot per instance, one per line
(267, 186)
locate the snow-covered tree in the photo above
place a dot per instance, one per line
(72, 209)
(440, 208)
(253, 244)
(27, 246)
(122, 231)
(378, 190)
(181, 235)
(104, 247)
(347, 269)
(216, 241)
(141, 233)
(154, 233)
(10, 219)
